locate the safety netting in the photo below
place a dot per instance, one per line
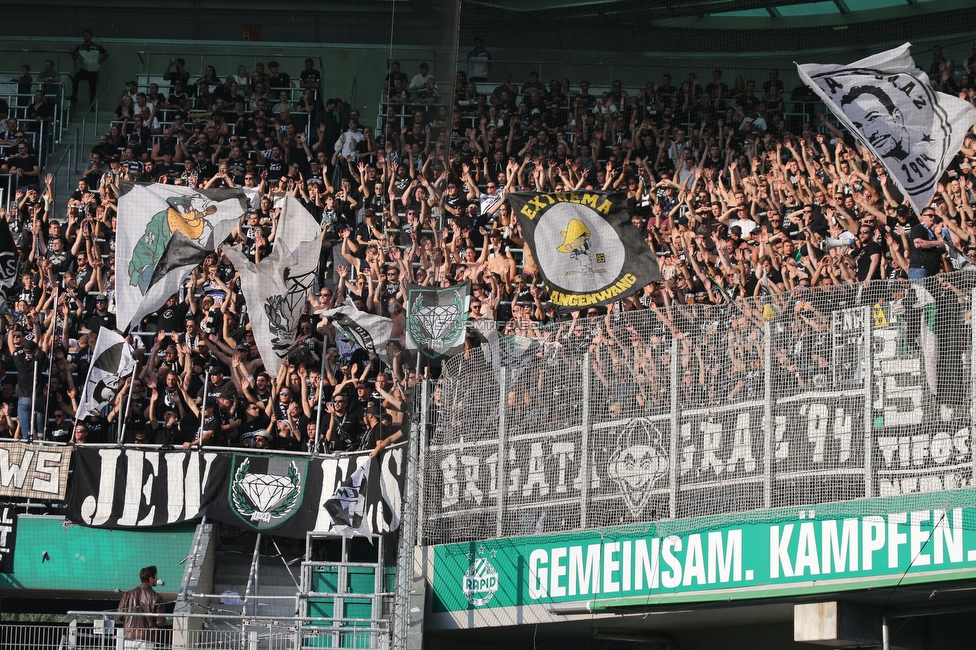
(822, 395)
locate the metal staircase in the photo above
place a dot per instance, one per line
(257, 592)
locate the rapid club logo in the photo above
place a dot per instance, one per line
(269, 498)
(480, 582)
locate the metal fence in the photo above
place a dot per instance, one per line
(825, 395)
(102, 635)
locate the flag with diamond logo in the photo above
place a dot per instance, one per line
(267, 490)
(436, 318)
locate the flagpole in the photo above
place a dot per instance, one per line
(50, 366)
(318, 398)
(203, 408)
(33, 416)
(128, 402)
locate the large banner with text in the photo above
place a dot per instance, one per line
(863, 403)
(33, 471)
(286, 495)
(778, 553)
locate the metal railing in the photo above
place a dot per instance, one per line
(93, 109)
(100, 630)
(104, 634)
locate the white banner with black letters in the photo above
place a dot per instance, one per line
(817, 447)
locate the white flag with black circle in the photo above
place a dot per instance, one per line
(890, 106)
(276, 288)
(112, 361)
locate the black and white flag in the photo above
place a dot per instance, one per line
(435, 319)
(276, 288)
(367, 330)
(890, 106)
(112, 362)
(587, 250)
(165, 231)
(347, 506)
(8, 256)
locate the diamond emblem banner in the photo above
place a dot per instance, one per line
(284, 494)
(435, 319)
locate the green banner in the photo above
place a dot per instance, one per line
(774, 553)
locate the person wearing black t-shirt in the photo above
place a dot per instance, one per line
(167, 433)
(867, 253)
(255, 421)
(59, 429)
(209, 434)
(344, 428)
(925, 247)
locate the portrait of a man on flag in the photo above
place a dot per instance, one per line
(889, 104)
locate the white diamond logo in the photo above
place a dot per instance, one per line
(438, 319)
(266, 491)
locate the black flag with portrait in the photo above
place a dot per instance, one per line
(586, 249)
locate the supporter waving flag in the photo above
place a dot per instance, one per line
(890, 106)
(587, 250)
(436, 319)
(164, 231)
(112, 361)
(276, 288)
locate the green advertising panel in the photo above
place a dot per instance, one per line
(52, 557)
(774, 553)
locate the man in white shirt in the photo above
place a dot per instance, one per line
(419, 81)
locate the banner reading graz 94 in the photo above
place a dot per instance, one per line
(283, 494)
(586, 248)
(817, 455)
(33, 471)
(779, 552)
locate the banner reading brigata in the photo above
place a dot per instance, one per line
(587, 250)
(889, 104)
(781, 552)
(283, 494)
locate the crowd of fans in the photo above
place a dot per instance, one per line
(740, 192)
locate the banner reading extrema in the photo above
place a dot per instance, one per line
(587, 250)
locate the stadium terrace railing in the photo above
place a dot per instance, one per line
(251, 634)
(827, 395)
